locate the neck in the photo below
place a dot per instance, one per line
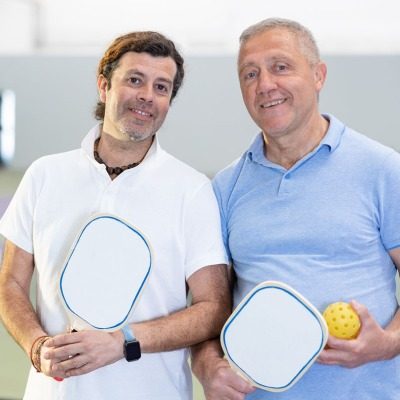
(288, 149)
(116, 152)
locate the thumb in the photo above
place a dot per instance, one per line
(360, 309)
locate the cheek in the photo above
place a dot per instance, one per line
(163, 108)
(248, 96)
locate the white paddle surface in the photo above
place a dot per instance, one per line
(273, 336)
(104, 273)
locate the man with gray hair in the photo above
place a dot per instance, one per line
(310, 203)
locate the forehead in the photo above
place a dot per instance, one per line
(276, 42)
(147, 65)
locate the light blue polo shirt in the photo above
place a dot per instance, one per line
(324, 227)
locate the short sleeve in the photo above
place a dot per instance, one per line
(202, 231)
(224, 222)
(389, 201)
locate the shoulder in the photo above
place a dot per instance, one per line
(225, 180)
(174, 169)
(363, 147)
(52, 165)
(51, 160)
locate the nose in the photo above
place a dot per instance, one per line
(265, 83)
(145, 94)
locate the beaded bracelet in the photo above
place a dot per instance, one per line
(35, 352)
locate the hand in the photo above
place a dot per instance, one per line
(372, 344)
(81, 352)
(221, 382)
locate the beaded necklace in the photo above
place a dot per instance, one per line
(111, 170)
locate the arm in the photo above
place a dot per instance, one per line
(16, 309)
(373, 343)
(219, 381)
(201, 321)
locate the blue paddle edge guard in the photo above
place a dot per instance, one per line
(138, 292)
(280, 388)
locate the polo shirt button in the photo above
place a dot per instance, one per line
(287, 176)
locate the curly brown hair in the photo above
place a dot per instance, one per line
(149, 42)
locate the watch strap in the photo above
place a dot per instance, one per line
(128, 333)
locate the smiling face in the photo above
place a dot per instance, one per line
(279, 85)
(138, 99)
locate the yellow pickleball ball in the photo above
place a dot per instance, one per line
(343, 322)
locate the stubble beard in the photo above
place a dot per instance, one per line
(135, 135)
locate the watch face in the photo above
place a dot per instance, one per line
(132, 350)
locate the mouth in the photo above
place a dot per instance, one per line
(273, 103)
(141, 113)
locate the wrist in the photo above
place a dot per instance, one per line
(131, 346)
(204, 357)
(119, 340)
(35, 352)
(393, 346)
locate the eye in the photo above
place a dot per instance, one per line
(280, 67)
(247, 75)
(161, 88)
(134, 80)
(250, 75)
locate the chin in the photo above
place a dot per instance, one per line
(139, 137)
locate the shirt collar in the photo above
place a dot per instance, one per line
(334, 134)
(331, 140)
(87, 145)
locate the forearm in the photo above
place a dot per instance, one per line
(394, 330)
(16, 310)
(18, 315)
(184, 328)
(211, 305)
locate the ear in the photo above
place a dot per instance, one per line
(320, 75)
(102, 84)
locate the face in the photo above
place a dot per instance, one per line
(279, 86)
(138, 100)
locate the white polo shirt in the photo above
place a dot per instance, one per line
(171, 203)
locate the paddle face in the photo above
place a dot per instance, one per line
(104, 273)
(273, 336)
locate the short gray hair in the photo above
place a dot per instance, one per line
(308, 45)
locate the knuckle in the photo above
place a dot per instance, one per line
(220, 374)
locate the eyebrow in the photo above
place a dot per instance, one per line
(248, 64)
(273, 59)
(142, 75)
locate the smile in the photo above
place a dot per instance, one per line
(141, 112)
(273, 103)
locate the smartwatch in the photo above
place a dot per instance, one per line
(131, 345)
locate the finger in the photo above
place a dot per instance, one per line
(241, 385)
(362, 312)
(61, 353)
(72, 363)
(340, 344)
(334, 357)
(83, 369)
(63, 339)
(225, 393)
(359, 308)
(236, 381)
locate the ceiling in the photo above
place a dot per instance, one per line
(206, 27)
